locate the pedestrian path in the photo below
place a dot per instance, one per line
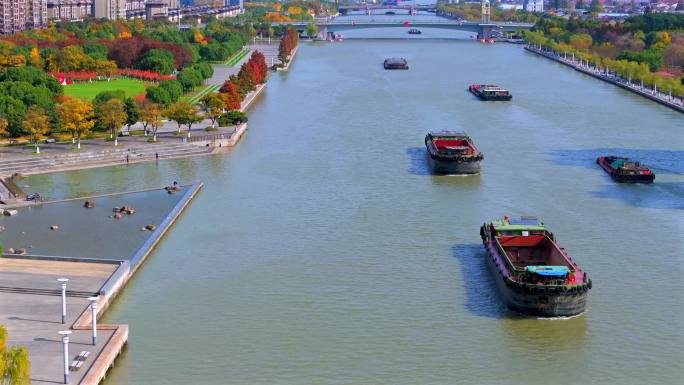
(235, 59)
(210, 88)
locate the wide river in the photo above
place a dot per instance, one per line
(322, 251)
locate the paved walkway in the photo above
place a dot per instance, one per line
(33, 320)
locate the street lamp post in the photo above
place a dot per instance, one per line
(63, 281)
(93, 308)
(65, 341)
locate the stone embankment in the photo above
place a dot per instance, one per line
(665, 99)
(38, 164)
(289, 61)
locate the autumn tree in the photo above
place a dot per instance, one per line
(213, 107)
(36, 124)
(15, 367)
(151, 116)
(183, 113)
(259, 60)
(231, 96)
(3, 126)
(112, 115)
(77, 117)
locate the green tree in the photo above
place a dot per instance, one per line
(232, 117)
(312, 30)
(33, 76)
(174, 88)
(159, 95)
(132, 112)
(189, 78)
(13, 111)
(36, 124)
(108, 95)
(595, 6)
(183, 113)
(159, 60)
(111, 114)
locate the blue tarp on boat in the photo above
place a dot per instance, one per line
(552, 271)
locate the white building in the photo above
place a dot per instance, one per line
(109, 9)
(533, 5)
(69, 9)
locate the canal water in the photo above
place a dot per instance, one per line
(322, 251)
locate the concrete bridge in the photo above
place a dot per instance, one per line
(333, 27)
(370, 8)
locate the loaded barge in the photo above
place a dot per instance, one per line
(534, 275)
(394, 63)
(452, 153)
(624, 170)
(489, 92)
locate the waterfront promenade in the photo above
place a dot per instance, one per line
(30, 291)
(651, 93)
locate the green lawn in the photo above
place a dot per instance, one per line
(87, 91)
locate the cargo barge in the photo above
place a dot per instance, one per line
(489, 92)
(394, 63)
(624, 170)
(533, 274)
(452, 153)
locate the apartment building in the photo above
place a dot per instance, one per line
(18, 15)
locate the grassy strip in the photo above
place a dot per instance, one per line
(196, 98)
(237, 57)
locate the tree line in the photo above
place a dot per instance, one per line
(287, 44)
(635, 49)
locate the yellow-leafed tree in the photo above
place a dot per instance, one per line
(36, 124)
(77, 117)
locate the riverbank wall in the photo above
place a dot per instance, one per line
(672, 102)
(116, 283)
(289, 61)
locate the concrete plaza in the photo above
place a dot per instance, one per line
(33, 320)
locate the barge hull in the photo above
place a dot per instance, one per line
(536, 305)
(626, 178)
(453, 167)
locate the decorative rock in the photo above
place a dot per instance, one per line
(17, 175)
(151, 227)
(11, 212)
(172, 189)
(117, 216)
(10, 250)
(54, 227)
(20, 251)
(89, 204)
(144, 228)
(116, 209)
(2, 228)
